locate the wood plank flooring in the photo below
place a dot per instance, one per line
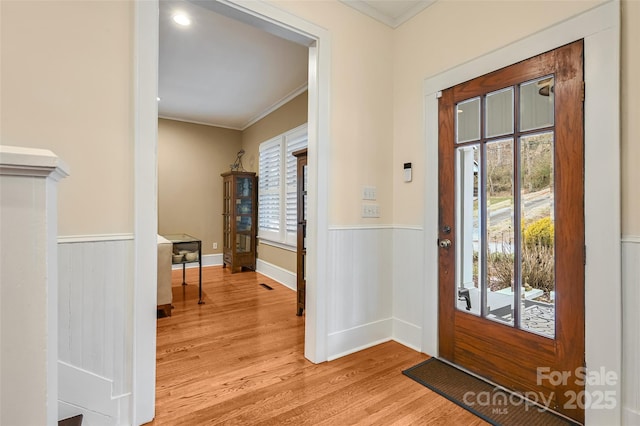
(238, 359)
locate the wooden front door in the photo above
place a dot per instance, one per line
(511, 228)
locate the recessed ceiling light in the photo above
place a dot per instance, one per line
(181, 19)
(158, 98)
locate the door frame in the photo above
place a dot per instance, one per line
(600, 29)
(145, 147)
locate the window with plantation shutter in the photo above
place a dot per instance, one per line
(295, 142)
(277, 186)
(269, 178)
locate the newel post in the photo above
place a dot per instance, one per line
(29, 285)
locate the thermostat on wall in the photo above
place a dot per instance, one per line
(407, 172)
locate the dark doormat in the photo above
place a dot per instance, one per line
(483, 399)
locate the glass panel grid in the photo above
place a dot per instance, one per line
(499, 234)
(503, 187)
(537, 234)
(468, 225)
(537, 104)
(499, 113)
(468, 120)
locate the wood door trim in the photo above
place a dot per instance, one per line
(446, 261)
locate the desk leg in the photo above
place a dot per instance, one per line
(184, 282)
(200, 301)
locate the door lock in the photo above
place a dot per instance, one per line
(445, 243)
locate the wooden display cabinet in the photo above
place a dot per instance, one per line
(301, 264)
(239, 219)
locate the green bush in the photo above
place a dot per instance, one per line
(539, 233)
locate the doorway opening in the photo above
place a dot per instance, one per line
(280, 22)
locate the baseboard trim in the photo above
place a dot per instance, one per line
(283, 276)
(407, 334)
(355, 339)
(207, 260)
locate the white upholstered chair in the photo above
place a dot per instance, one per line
(165, 298)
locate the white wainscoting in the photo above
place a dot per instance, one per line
(630, 374)
(359, 288)
(95, 327)
(408, 286)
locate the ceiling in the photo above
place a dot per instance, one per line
(223, 72)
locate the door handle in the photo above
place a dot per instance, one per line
(445, 243)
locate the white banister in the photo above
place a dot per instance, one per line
(29, 285)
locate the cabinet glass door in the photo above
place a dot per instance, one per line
(244, 187)
(244, 206)
(243, 243)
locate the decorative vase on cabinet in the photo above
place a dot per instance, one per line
(239, 220)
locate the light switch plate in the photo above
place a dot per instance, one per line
(370, 210)
(369, 192)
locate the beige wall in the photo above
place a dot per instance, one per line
(630, 112)
(191, 158)
(361, 108)
(287, 117)
(66, 85)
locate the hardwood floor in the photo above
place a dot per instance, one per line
(238, 359)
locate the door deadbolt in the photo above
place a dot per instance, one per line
(445, 243)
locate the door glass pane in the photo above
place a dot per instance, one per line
(499, 116)
(536, 104)
(468, 120)
(499, 216)
(468, 229)
(537, 210)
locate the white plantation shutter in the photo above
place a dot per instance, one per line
(269, 183)
(295, 142)
(277, 186)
